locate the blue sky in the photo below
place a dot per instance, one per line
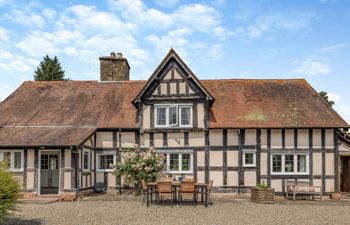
(218, 39)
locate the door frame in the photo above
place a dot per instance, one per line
(59, 171)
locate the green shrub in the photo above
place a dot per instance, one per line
(140, 165)
(262, 186)
(9, 191)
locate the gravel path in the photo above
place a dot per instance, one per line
(131, 211)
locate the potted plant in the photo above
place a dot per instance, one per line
(262, 193)
(335, 195)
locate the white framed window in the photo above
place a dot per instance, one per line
(249, 158)
(176, 115)
(86, 160)
(185, 116)
(13, 159)
(290, 163)
(105, 162)
(178, 162)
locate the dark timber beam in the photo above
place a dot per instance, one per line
(269, 157)
(311, 154)
(224, 156)
(336, 158)
(258, 156)
(206, 157)
(323, 146)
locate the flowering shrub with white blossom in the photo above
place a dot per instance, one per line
(140, 165)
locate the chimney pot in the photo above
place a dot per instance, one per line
(120, 55)
(113, 55)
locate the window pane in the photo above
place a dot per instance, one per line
(301, 163)
(276, 163)
(105, 162)
(249, 158)
(86, 160)
(44, 163)
(161, 116)
(53, 162)
(172, 115)
(174, 162)
(17, 160)
(289, 163)
(185, 115)
(186, 162)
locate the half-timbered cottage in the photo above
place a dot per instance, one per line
(61, 137)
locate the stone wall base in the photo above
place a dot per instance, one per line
(28, 195)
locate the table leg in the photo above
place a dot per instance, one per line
(202, 194)
(147, 196)
(206, 197)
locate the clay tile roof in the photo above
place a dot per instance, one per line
(238, 104)
(11, 137)
(72, 103)
(293, 103)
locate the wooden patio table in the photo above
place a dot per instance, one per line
(176, 185)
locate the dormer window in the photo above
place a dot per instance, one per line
(175, 115)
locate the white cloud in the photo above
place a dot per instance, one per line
(270, 23)
(333, 97)
(343, 108)
(4, 2)
(197, 16)
(18, 64)
(26, 18)
(4, 35)
(38, 44)
(330, 48)
(48, 13)
(215, 52)
(222, 32)
(5, 55)
(137, 12)
(167, 3)
(174, 38)
(312, 67)
(5, 90)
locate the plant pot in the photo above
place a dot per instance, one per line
(336, 196)
(265, 196)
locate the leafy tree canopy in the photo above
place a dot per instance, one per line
(325, 96)
(49, 69)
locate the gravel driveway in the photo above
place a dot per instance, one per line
(223, 211)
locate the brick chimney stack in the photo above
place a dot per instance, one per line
(114, 67)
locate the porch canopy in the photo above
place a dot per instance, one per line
(44, 137)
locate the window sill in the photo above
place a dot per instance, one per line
(289, 174)
(250, 166)
(15, 170)
(102, 171)
(179, 172)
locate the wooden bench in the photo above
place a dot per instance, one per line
(302, 188)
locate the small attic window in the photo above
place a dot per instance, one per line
(174, 115)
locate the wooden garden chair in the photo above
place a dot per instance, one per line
(164, 189)
(187, 188)
(144, 192)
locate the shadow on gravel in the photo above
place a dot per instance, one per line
(19, 221)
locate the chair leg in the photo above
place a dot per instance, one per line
(158, 200)
(193, 200)
(171, 200)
